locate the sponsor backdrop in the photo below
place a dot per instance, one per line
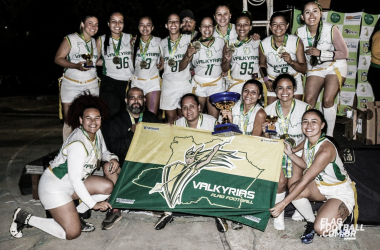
(356, 29)
(171, 168)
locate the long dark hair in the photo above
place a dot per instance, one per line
(108, 33)
(137, 41)
(313, 59)
(375, 29)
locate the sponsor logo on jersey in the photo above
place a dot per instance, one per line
(208, 53)
(246, 50)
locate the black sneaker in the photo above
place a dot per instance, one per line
(308, 236)
(19, 221)
(236, 225)
(161, 223)
(112, 217)
(221, 225)
(86, 227)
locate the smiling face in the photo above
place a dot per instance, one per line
(285, 90)
(90, 26)
(173, 24)
(145, 26)
(311, 14)
(116, 24)
(312, 125)
(279, 26)
(91, 121)
(188, 25)
(207, 27)
(243, 26)
(222, 16)
(190, 109)
(250, 94)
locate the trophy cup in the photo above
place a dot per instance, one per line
(225, 101)
(288, 139)
(271, 128)
(88, 58)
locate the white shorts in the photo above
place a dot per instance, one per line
(147, 85)
(171, 94)
(236, 85)
(298, 91)
(70, 89)
(205, 91)
(54, 192)
(341, 192)
(333, 68)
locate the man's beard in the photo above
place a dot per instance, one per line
(186, 31)
(136, 109)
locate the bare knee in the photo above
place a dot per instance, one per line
(327, 103)
(73, 234)
(108, 187)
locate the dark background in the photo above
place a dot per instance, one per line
(32, 30)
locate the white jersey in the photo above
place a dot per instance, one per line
(152, 57)
(206, 122)
(275, 64)
(122, 71)
(207, 61)
(325, 43)
(239, 119)
(99, 152)
(172, 74)
(295, 123)
(232, 35)
(245, 59)
(334, 172)
(78, 47)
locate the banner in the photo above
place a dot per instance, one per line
(171, 168)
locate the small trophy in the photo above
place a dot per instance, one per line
(271, 128)
(225, 101)
(88, 58)
(288, 139)
(197, 45)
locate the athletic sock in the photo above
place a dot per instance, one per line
(304, 207)
(49, 226)
(82, 207)
(66, 131)
(330, 116)
(279, 222)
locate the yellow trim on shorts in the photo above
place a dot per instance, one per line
(81, 82)
(142, 79)
(208, 83)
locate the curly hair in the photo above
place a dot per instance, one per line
(81, 103)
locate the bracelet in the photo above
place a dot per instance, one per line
(266, 78)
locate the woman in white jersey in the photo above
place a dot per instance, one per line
(147, 64)
(326, 54)
(244, 61)
(325, 180)
(223, 28)
(69, 176)
(175, 83)
(117, 64)
(289, 112)
(281, 53)
(207, 61)
(77, 75)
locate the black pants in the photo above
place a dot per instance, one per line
(374, 80)
(113, 93)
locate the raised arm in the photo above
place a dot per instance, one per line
(300, 64)
(226, 62)
(187, 58)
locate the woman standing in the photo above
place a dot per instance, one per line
(244, 61)
(78, 54)
(69, 176)
(175, 83)
(288, 125)
(147, 55)
(325, 180)
(281, 53)
(374, 68)
(326, 54)
(207, 65)
(117, 64)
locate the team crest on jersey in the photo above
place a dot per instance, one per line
(246, 50)
(208, 53)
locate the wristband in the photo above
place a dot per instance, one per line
(265, 78)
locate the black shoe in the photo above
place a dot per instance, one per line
(161, 223)
(112, 217)
(20, 220)
(221, 225)
(308, 236)
(86, 227)
(236, 225)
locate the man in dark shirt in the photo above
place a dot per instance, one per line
(118, 133)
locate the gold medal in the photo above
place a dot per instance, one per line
(231, 48)
(281, 50)
(197, 45)
(116, 60)
(171, 62)
(143, 64)
(289, 140)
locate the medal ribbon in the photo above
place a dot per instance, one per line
(199, 123)
(133, 119)
(95, 145)
(172, 52)
(143, 51)
(206, 39)
(310, 38)
(244, 118)
(91, 52)
(311, 151)
(227, 36)
(118, 45)
(240, 43)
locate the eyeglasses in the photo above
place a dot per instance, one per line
(187, 20)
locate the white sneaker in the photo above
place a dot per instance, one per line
(279, 222)
(297, 216)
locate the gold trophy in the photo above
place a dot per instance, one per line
(288, 139)
(88, 58)
(271, 128)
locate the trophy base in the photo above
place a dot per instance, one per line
(227, 129)
(88, 65)
(271, 132)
